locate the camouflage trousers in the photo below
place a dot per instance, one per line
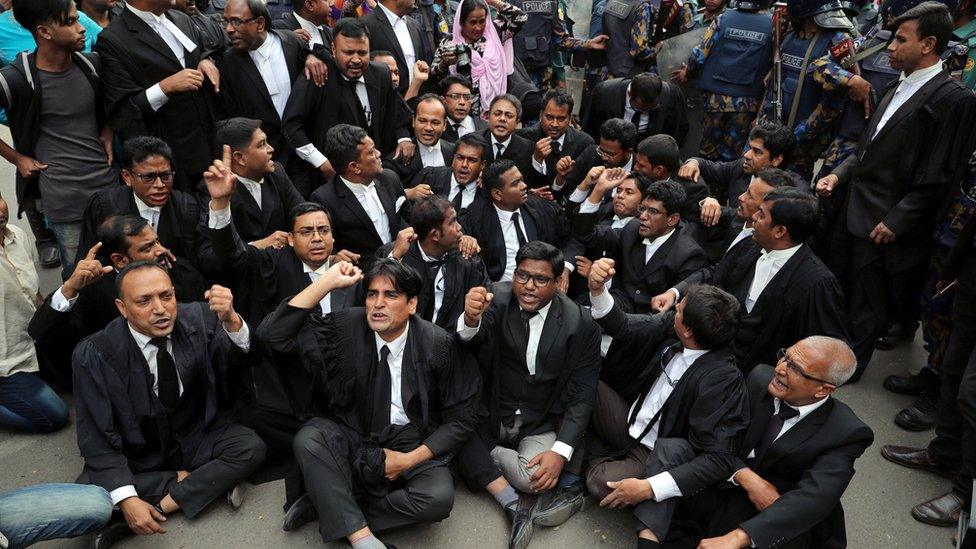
(724, 134)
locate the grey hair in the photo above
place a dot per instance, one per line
(841, 361)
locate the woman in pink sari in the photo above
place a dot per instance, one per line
(486, 57)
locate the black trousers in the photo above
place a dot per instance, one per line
(277, 429)
(954, 446)
(343, 478)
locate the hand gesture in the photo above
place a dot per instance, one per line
(405, 151)
(402, 243)
(221, 301)
(342, 275)
(583, 266)
(629, 491)
(141, 517)
(550, 465)
(597, 42)
(304, 35)
(475, 304)
(564, 166)
(543, 148)
(421, 71)
(711, 211)
(186, 80)
(220, 180)
(468, 246)
(419, 192)
(209, 70)
(345, 255)
(600, 271)
(610, 179)
(689, 170)
(276, 240)
(592, 176)
(663, 302)
(316, 70)
(826, 185)
(87, 271)
(544, 193)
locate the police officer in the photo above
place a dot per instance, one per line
(812, 84)
(632, 26)
(730, 64)
(546, 29)
(703, 17)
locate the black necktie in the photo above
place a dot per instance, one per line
(456, 201)
(430, 289)
(772, 430)
(526, 317)
(381, 392)
(635, 120)
(666, 357)
(167, 381)
(556, 149)
(519, 235)
(501, 149)
(361, 111)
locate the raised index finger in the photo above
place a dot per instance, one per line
(93, 251)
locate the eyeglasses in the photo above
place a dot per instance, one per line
(781, 355)
(652, 212)
(149, 177)
(457, 96)
(523, 277)
(307, 232)
(604, 154)
(235, 22)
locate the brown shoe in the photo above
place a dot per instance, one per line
(940, 511)
(914, 458)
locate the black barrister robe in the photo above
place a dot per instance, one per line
(439, 386)
(122, 426)
(708, 406)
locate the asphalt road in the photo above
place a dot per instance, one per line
(877, 503)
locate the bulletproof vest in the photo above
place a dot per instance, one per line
(533, 41)
(877, 70)
(741, 55)
(792, 54)
(619, 17)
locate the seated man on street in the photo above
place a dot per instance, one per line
(671, 434)
(150, 394)
(395, 400)
(543, 353)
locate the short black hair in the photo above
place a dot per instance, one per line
(236, 132)
(776, 178)
(428, 214)
(452, 79)
(560, 97)
(429, 97)
(643, 182)
(380, 53)
(797, 210)
(131, 267)
(712, 314)
(138, 149)
(933, 19)
(777, 138)
(621, 131)
(662, 150)
(668, 192)
(114, 234)
(405, 278)
(511, 99)
(342, 145)
(491, 178)
(33, 13)
(647, 87)
(303, 208)
(351, 27)
(542, 251)
(259, 10)
(473, 140)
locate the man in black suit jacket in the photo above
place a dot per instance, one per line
(613, 149)
(658, 157)
(358, 92)
(431, 247)
(375, 457)
(504, 114)
(456, 92)
(653, 252)
(384, 36)
(796, 458)
(432, 151)
(787, 292)
(899, 182)
(312, 17)
(154, 63)
(542, 352)
(364, 200)
(555, 140)
(459, 181)
(673, 435)
(148, 192)
(507, 218)
(150, 392)
(652, 105)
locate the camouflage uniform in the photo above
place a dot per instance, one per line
(548, 78)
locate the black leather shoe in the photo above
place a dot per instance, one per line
(521, 519)
(48, 255)
(116, 531)
(912, 385)
(940, 511)
(559, 505)
(914, 458)
(299, 514)
(896, 334)
(920, 416)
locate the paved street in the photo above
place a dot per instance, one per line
(877, 503)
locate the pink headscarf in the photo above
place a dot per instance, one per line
(490, 69)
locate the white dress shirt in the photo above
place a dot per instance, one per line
(430, 157)
(398, 414)
(907, 87)
(147, 212)
(469, 192)
(269, 58)
(541, 166)
(402, 33)
(652, 246)
(312, 29)
(768, 264)
(511, 239)
(253, 187)
(370, 201)
(629, 111)
(313, 274)
(438, 282)
(240, 338)
(745, 233)
(464, 127)
(176, 39)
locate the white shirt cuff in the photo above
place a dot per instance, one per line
(156, 97)
(218, 219)
(570, 266)
(664, 486)
(60, 303)
(310, 154)
(242, 337)
(402, 139)
(539, 166)
(732, 478)
(677, 294)
(466, 332)
(601, 305)
(563, 449)
(122, 493)
(588, 207)
(578, 195)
